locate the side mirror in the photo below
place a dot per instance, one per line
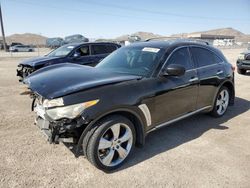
(76, 55)
(174, 70)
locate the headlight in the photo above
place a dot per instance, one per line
(241, 56)
(71, 111)
(53, 103)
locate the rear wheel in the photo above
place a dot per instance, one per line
(111, 143)
(241, 71)
(221, 102)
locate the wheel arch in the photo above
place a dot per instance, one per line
(134, 117)
(230, 86)
(231, 89)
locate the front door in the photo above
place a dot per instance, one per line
(82, 56)
(177, 95)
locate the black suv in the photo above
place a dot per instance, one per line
(107, 109)
(243, 62)
(79, 53)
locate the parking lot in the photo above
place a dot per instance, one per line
(200, 151)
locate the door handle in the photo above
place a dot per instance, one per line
(193, 79)
(219, 72)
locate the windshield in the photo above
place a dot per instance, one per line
(140, 61)
(61, 51)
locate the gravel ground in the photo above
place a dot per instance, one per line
(196, 152)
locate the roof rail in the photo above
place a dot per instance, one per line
(159, 38)
(179, 38)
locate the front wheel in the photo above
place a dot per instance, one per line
(221, 102)
(111, 143)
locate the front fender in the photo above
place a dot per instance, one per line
(134, 111)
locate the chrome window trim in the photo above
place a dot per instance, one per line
(203, 47)
(190, 53)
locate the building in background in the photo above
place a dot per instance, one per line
(216, 40)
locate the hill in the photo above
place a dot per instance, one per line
(239, 36)
(27, 38)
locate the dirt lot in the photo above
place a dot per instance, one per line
(197, 152)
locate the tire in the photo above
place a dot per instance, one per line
(221, 102)
(111, 142)
(241, 71)
(30, 50)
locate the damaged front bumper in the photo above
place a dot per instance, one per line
(64, 130)
(23, 72)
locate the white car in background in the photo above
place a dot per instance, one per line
(22, 48)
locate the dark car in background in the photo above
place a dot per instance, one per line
(243, 62)
(79, 53)
(105, 110)
(15, 43)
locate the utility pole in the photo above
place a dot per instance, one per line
(1, 21)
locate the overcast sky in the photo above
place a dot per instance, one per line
(108, 19)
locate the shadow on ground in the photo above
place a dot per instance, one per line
(181, 132)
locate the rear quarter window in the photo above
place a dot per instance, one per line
(204, 57)
(103, 49)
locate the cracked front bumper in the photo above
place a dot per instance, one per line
(64, 130)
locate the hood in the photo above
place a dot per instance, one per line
(62, 79)
(38, 61)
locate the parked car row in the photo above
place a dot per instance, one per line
(57, 41)
(106, 110)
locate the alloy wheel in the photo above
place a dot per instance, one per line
(222, 102)
(115, 144)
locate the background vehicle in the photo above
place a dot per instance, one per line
(80, 53)
(243, 62)
(15, 43)
(75, 39)
(21, 48)
(107, 109)
(54, 42)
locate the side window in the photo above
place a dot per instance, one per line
(110, 48)
(83, 51)
(204, 57)
(99, 49)
(181, 57)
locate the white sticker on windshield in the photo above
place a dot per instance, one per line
(148, 49)
(70, 47)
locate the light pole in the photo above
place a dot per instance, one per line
(3, 35)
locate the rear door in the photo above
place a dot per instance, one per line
(100, 51)
(210, 72)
